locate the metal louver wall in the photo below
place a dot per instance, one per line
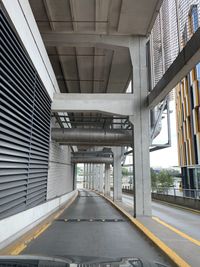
(25, 110)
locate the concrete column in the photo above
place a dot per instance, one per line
(97, 177)
(93, 176)
(89, 176)
(101, 178)
(141, 139)
(117, 174)
(107, 179)
(84, 175)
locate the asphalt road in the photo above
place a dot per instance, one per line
(96, 238)
(184, 220)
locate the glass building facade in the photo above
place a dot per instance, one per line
(176, 23)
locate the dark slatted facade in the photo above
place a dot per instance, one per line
(25, 113)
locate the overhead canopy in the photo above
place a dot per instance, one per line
(88, 69)
(82, 66)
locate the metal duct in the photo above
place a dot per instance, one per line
(96, 137)
(92, 160)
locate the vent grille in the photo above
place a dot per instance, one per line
(25, 110)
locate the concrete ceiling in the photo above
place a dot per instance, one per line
(86, 67)
(93, 69)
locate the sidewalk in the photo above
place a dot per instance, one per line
(185, 246)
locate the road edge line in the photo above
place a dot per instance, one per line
(177, 231)
(25, 239)
(160, 244)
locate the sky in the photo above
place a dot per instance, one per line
(167, 157)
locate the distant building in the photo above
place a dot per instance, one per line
(175, 24)
(188, 110)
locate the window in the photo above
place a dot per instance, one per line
(198, 72)
(194, 18)
(184, 36)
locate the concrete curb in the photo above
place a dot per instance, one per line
(19, 245)
(175, 258)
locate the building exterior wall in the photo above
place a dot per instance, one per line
(188, 103)
(18, 164)
(20, 13)
(173, 28)
(60, 171)
(13, 227)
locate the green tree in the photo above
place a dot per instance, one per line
(125, 171)
(165, 179)
(79, 171)
(161, 179)
(154, 178)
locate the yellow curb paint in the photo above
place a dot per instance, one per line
(44, 228)
(167, 250)
(17, 249)
(196, 242)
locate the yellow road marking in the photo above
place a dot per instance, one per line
(167, 250)
(18, 248)
(42, 229)
(196, 242)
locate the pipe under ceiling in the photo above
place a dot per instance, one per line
(92, 160)
(94, 137)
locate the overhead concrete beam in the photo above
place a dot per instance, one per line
(115, 104)
(185, 61)
(86, 40)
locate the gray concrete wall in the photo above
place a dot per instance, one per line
(13, 227)
(60, 180)
(182, 201)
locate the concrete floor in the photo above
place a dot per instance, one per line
(186, 221)
(96, 239)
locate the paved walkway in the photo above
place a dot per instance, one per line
(182, 219)
(179, 229)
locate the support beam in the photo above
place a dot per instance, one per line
(84, 176)
(97, 160)
(101, 178)
(86, 40)
(107, 179)
(104, 103)
(182, 65)
(90, 176)
(117, 174)
(141, 139)
(96, 176)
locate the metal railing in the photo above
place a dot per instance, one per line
(171, 191)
